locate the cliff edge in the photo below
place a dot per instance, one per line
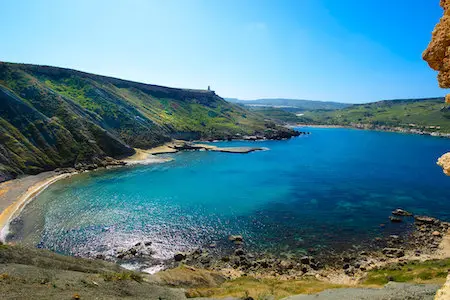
(437, 54)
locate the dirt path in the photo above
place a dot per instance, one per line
(391, 291)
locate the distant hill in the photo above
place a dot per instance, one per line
(53, 117)
(291, 104)
(431, 114)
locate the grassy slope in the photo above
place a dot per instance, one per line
(422, 112)
(432, 271)
(55, 117)
(26, 273)
(40, 274)
(276, 114)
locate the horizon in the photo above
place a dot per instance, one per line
(314, 50)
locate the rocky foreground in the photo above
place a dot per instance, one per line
(427, 239)
(241, 274)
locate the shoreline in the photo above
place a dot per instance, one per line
(15, 194)
(377, 128)
(32, 188)
(285, 268)
(348, 267)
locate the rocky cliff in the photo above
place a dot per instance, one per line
(437, 53)
(53, 117)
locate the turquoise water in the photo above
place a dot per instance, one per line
(326, 190)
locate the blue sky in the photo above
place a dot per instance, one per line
(339, 50)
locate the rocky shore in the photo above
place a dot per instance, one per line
(425, 239)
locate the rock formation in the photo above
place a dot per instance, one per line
(437, 55)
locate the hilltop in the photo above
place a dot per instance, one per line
(54, 117)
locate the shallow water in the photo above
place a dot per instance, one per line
(329, 189)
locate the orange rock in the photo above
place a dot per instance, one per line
(444, 162)
(437, 53)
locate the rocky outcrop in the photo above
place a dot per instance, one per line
(444, 162)
(437, 53)
(401, 212)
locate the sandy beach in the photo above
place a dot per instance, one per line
(15, 194)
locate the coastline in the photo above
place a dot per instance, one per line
(285, 268)
(15, 194)
(377, 128)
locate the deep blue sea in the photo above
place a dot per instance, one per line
(330, 189)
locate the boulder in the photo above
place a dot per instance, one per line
(239, 252)
(436, 233)
(306, 260)
(179, 256)
(236, 238)
(426, 220)
(393, 252)
(401, 212)
(395, 219)
(286, 264)
(263, 263)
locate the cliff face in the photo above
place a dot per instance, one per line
(437, 53)
(52, 117)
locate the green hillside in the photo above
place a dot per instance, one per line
(52, 117)
(430, 114)
(276, 114)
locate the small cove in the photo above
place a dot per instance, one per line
(328, 190)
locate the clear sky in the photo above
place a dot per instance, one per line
(338, 50)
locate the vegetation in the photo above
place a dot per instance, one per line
(245, 287)
(52, 117)
(431, 271)
(27, 273)
(295, 104)
(422, 114)
(428, 115)
(276, 114)
(124, 275)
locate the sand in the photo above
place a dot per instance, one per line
(15, 194)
